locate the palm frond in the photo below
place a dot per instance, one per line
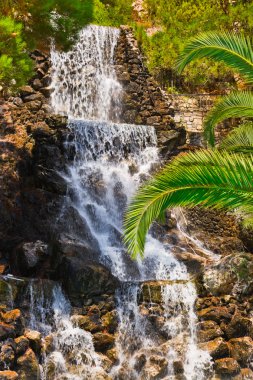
(236, 104)
(233, 49)
(226, 182)
(239, 140)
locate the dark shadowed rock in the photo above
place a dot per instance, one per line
(83, 281)
(28, 256)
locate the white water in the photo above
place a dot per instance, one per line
(84, 80)
(111, 161)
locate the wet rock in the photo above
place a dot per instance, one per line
(8, 375)
(217, 314)
(7, 356)
(241, 349)
(106, 362)
(48, 344)
(14, 318)
(28, 366)
(178, 367)
(6, 331)
(156, 368)
(22, 344)
(151, 291)
(140, 361)
(29, 256)
(227, 366)
(8, 292)
(103, 341)
(205, 336)
(112, 355)
(89, 323)
(110, 321)
(83, 281)
(217, 348)
(34, 338)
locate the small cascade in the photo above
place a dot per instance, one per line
(73, 356)
(84, 80)
(157, 336)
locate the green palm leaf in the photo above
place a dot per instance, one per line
(233, 49)
(213, 179)
(239, 140)
(236, 104)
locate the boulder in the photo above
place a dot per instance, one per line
(156, 368)
(91, 323)
(110, 321)
(209, 330)
(34, 338)
(8, 375)
(28, 366)
(241, 349)
(217, 348)
(227, 367)
(103, 341)
(14, 318)
(28, 257)
(22, 344)
(239, 326)
(215, 313)
(85, 281)
(6, 331)
(7, 356)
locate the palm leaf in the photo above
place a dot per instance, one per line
(236, 104)
(240, 139)
(233, 49)
(213, 179)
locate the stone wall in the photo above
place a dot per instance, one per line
(143, 101)
(189, 113)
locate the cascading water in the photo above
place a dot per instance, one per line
(84, 80)
(111, 160)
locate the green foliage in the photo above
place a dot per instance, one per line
(208, 178)
(236, 104)
(15, 65)
(232, 49)
(179, 20)
(240, 139)
(33, 23)
(235, 51)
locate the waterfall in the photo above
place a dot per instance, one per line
(111, 161)
(84, 80)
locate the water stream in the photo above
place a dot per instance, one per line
(111, 161)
